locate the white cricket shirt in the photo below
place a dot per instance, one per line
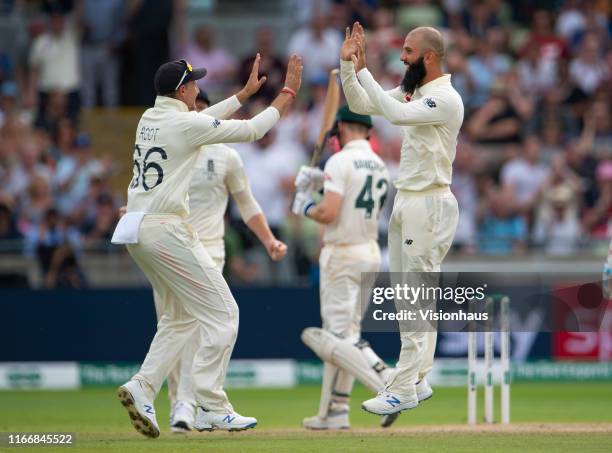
(218, 172)
(431, 121)
(360, 176)
(168, 141)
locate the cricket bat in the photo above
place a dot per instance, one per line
(330, 108)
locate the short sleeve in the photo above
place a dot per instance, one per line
(334, 180)
(236, 179)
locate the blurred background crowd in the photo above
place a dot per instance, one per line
(533, 172)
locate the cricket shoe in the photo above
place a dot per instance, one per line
(182, 417)
(140, 408)
(387, 403)
(334, 420)
(228, 421)
(423, 390)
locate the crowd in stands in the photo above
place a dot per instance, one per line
(533, 170)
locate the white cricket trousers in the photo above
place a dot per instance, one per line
(421, 231)
(199, 302)
(341, 268)
(180, 382)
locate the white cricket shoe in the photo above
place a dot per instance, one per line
(182, 417)
(423, 390)
(140, 408)
(334, 420)
(387, 403)
(228, 421)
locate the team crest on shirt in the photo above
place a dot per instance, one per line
(216, 123)
(429, 102)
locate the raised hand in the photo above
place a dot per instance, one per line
(349, 46)
(358, 37)
(293, 79)
(359, 59)
(254, 83)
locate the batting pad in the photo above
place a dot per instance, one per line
(344, 354)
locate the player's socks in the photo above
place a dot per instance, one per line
(228, 421)
(139, 406)
(386, 403)
(182, 418)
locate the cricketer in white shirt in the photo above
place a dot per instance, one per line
(355, 182)
(169, 138)
(425, 212)
(219, 172)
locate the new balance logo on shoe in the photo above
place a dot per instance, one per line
(228, 418)
(393, 401)
(148, 409)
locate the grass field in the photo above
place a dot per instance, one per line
(545, 417)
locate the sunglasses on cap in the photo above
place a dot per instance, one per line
(188, 69)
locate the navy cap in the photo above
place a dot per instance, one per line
(170, 76)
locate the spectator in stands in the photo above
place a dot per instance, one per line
(465, 168)
(56, 244)
(500, 231)
(271, 183)
(97, 233)
(523, 177)
(557, 225)
(318, 45)
(26, 166)
(147, 45)
(270, 65)
(417, 13)
(312, 118)
(552, 139)
(485, 67)
(551, 47)
(55, 63)
(596, 219)
(582, 162)
(103, 34)
(9, 104)
(587, 70)
(362, 11)
(479, 17)
(500, 119)
(75, 170)
(383, 41)
(202, 52)
(34, 203)
(457, 66)
(537, 75)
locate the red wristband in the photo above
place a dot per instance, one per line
(288, 91)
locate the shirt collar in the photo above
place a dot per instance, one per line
(359, 143)
(168, 103)
(445, 79)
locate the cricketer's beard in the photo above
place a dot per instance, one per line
(414, 75)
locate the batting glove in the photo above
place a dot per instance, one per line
(309, 178)
(302, 202)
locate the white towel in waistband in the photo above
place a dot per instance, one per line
(127, 228)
